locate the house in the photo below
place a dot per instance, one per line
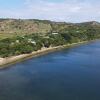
(55, 33)
(31, 41)
(17, 41)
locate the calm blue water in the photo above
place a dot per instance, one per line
(70, 74)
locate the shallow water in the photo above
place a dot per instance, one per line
(70, 74)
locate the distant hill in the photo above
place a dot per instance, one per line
(12, 27)
(24, 26)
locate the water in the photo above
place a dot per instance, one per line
(70, 74)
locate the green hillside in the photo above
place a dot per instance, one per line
(24, 36)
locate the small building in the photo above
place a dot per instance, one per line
(31, 41)
(55, 33)
(17, 41)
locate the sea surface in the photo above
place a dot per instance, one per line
(68, 74)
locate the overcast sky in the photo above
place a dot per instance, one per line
(57, 10)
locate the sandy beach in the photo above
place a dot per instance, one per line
(4, 62)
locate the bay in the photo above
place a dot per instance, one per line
(69, 74)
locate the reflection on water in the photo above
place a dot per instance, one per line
(70, 74)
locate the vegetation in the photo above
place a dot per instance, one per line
(19, 37)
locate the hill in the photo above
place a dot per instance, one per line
(24, 36)
(13, 27)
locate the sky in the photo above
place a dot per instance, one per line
(55, 10)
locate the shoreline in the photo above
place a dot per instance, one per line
(5, 62)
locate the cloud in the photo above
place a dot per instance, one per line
(51, 10)
(58, 10)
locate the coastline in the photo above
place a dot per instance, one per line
(4, 62)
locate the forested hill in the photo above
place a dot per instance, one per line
(24, 36)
